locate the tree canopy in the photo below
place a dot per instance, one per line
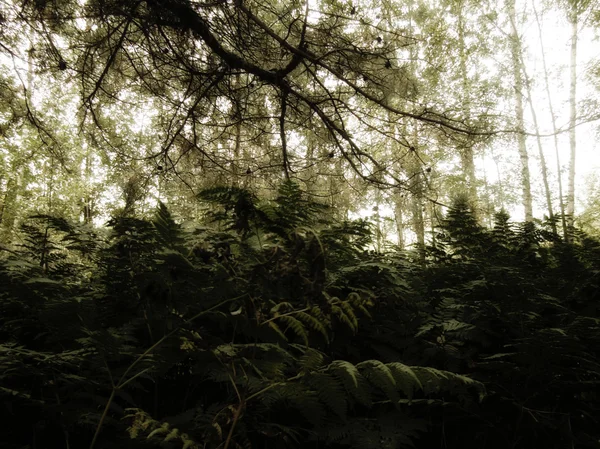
(236, 224)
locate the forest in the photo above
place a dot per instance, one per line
(323, 224)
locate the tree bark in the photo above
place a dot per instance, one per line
(466, 150)
(418, 218)
(540, 148)
(399, 217)
(515, 46)
(573, 117)
(554, 127)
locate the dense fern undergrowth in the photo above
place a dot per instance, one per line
(271, 325)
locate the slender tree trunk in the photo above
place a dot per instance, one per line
(417, 188)
(9, 205)
(544, 167)
(88, 212)
(399, 217)
(236, 148)
(417, 209)
(50, 187)
(414, 168)
(339, 196)
(466, 150)
(515, 46)
(310, 178)
(489, 210)
(379, 237)
(501, 195)
(237, 145)
(543, 164)
(554, 127)
(573, 117)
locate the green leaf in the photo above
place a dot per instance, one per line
(330, 391)
(406, 379)
(380, 376)
(352, 380)
(296, 326)
(277, 330)
(314, 324)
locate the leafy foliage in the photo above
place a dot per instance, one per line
(272, 325)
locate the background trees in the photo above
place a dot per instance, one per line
(246, 223)
(404, 103)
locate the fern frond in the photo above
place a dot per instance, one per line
(309, 405)
(381, 377)
(296, 326)
(406, 379)
(343, 317)
(275, 328)
(330, 391)
(313, 323)
(318, 313)
(434, 380)
(352, 380)
(349, 311)
(168, 231)
(311, 360)
(143, 423)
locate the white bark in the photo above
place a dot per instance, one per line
(515, 47)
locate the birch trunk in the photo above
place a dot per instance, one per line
(554, 127)
(573, 118)
(466, 152)
(515, 46)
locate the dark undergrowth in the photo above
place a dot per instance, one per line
(273, 326)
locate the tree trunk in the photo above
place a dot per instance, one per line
(237, 115)
(399, 217)
(543, 164)
(466, 150)
(88, 212)
(554, 127)
(540, 150)
(489, 209)
(10, 203)
(501, 195)
(418, 219)
(515, 46)
(573, 117)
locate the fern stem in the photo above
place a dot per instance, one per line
(103, 417)
(306, 309)
(174, 331)
(268, 387)
(122, 383)
(236, 416)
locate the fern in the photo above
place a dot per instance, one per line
(353, 381)
(330, 391)
(295, 325)
(381, 377)
(169, 232)
(311, 360)
(314, 323)
(141, 423)
(211, 332)
(405, 378)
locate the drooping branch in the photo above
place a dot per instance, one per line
(309, 56)
(190, 19)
